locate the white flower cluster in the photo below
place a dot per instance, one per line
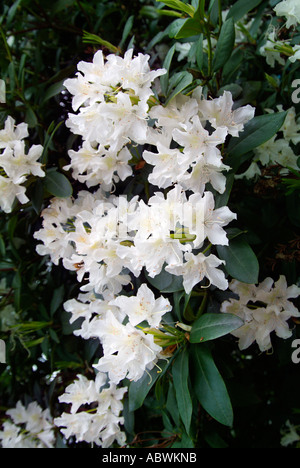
(99, 423)
(112, 97)
(15, 164)
(28, 427)
(278, 150)
(264, 308)
(108, 239)
(290, 9)
(290, 435)
(274, 48)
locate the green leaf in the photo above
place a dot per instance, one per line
(191, 27)
(256, 132)
(178, 5)
(89, 38)
(241, 8)
(166, 282)
(164, 79)
(57, 299)
(225, 45)
(138, 390)
(57, 184)
(37, 196)
(240, 261)
(180, 372)
(211, 326)
(53, 90)
(184, 79)
(209, 385)
(127, 28)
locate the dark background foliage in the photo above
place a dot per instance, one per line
(41, 43)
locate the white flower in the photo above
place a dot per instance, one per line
(81, 391)
(289, 434)
(143, 306)
(296, 56)
(18, 164)
(265, 308)
(12, 133)
(203, 220)
(101, 425)
(128, 352)
(196, 268)
(166, 166)
(220, 114)
(9, 191)
(268, 50)
(291, 10)
(32, 427)
(196, 140)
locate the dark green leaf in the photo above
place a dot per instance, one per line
(212, 326)
(166, 282)
(191, 27)
(164, 79)
(57, 184)
(209, 385)
(57, 299)
(184, 80)
(180, 372)
(225, 45)
(240, 261)
(256, 132)
(53, 90)
(138, 391)
(178, 5)
(241, 8)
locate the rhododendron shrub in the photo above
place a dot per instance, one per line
(149, 195)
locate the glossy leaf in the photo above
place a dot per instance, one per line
(225, 45)
(241, 8)
(256, 132)
(57, 184)
(191, 27)
(209, 386)
(178, 5)
(139, 390)
(212, 326)
(240, 260)
(180, 373)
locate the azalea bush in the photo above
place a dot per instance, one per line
(149, 195)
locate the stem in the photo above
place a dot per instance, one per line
(220, 13)
(210, 55)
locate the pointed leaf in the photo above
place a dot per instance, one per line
(256, 132)
(240, 260)
(138, 391)
(57, 184)
(180, 372)
(209, 385)
(225, 45)
(212, 326)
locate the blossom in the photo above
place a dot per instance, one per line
(269, 51)
(28, 427)
(143, 306)
(196, 268)
(265, 308)
(127, 351)
(102, 425)
(12, 133)
(220, 114)
(291, 10)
